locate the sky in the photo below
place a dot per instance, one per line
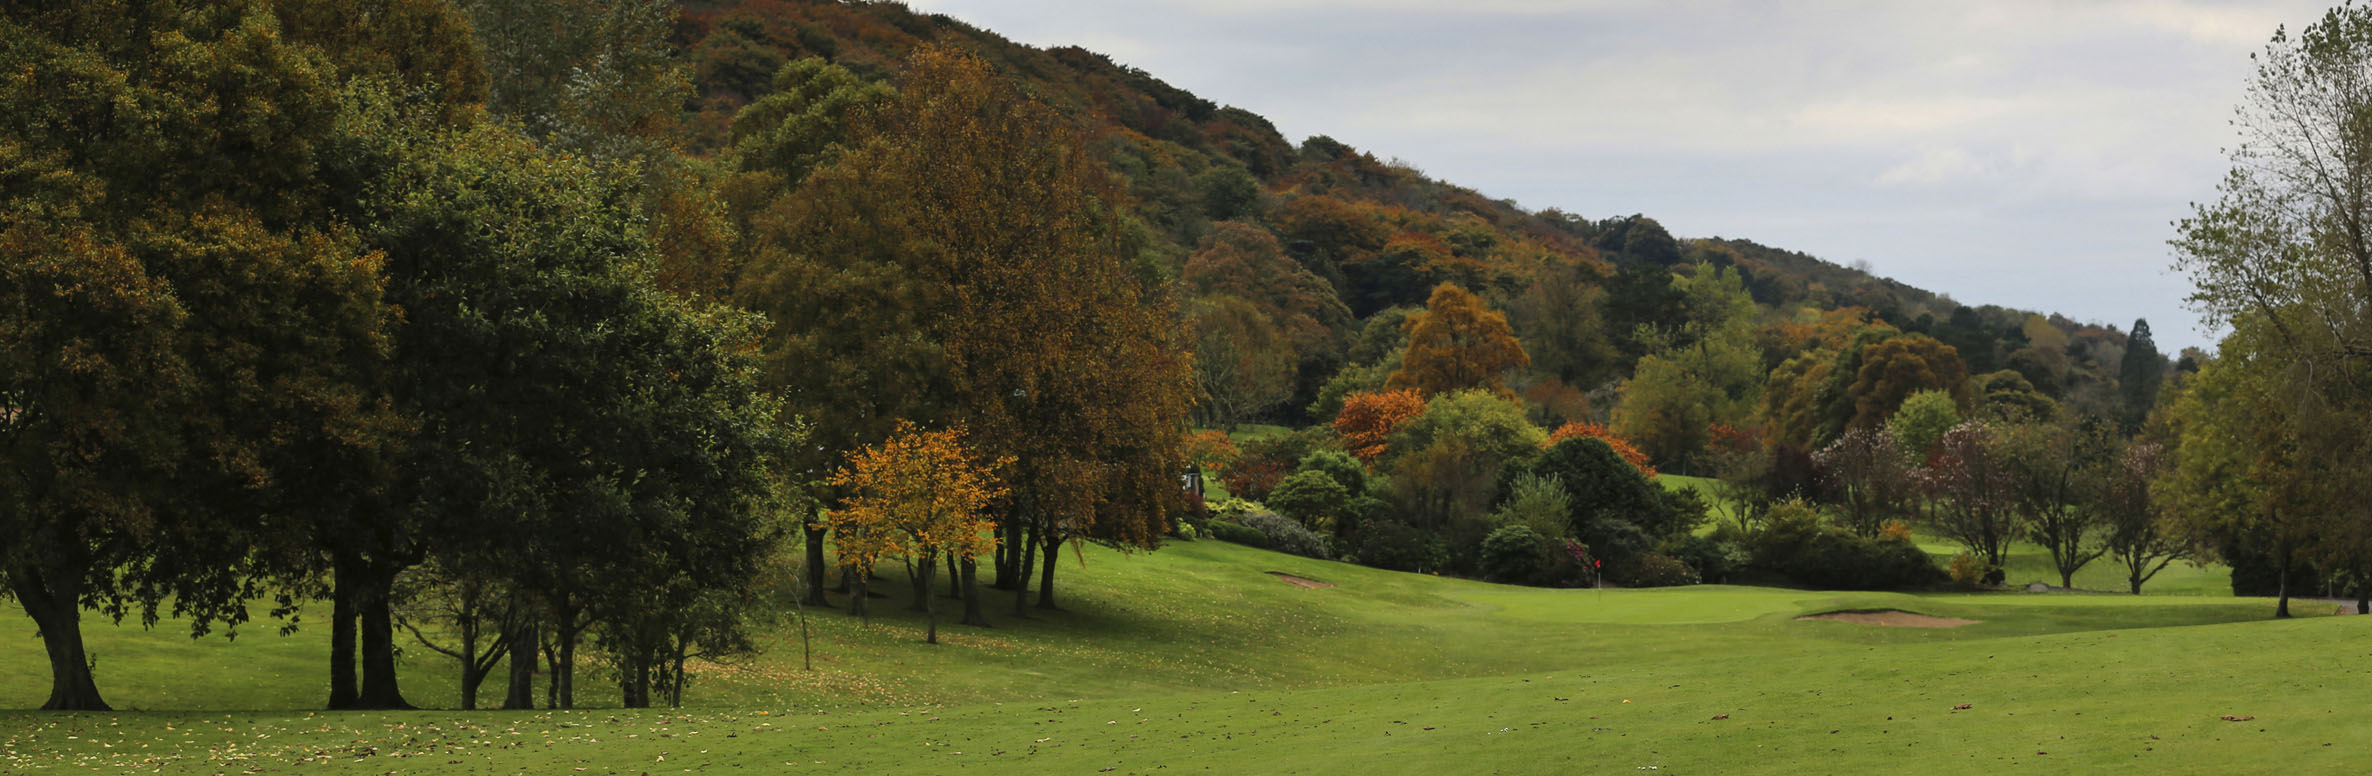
(2027, 154)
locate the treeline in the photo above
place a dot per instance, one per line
(424, 311)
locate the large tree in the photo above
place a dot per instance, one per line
(1458, 344)
(963, 261)
(2284, 255)
(185, 336)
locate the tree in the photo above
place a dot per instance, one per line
(1312, 498)
(1870, 474)
(917, 496)
(591, 77)
(2240, 473)
(2143, 538)
(2045, 462)
(185, 336)
(1922, 421)
(1559, 318)
(1457, 344)
(965, 262)
(2140, 374)
(1243, 366)
(1369, 420)
(1893, 370)
(2285, 256)
(1976, 493)
(1630, 453)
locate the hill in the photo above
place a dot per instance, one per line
(1380, 233)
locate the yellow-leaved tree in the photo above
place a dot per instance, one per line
(915, 497)
(1458, 343)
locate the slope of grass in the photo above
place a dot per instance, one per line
(1195, 657)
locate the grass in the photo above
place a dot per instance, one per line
(1197, 658)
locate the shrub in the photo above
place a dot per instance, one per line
(1798, 545)
(1714, 558)
(1312, 498)
(1515, 554)
(1285, 535)
(1536, 502)
(1186, 531)
(1655, 569)
(1966, 571)
(1391, 544)
(1344, 469)
(1239, 533)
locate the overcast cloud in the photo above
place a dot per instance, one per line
(2025, 154)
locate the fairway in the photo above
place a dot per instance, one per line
(1196, 658)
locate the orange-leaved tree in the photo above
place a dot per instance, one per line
(1209, 449)
(1457, 343)
(1622, 447)
(1368, 420)
(915, 496)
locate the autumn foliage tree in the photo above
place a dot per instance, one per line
(919, 496)
(1457, 344)
(1369, 420)
(1893, 370)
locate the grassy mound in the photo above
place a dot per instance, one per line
(1199, 657)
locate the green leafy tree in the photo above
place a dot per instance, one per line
(1312, 498)
(2140, 374)
(2046, 463)
(2281, 256)
(186, 338)
(1922, 421)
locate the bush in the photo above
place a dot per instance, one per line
(1186, 531)
(1655, 569)
(1284, 535)
(1391, 544)
(1239, 533)
(1966, 571)
(1714, 558)
(1799, 546)
(1312, 498)
(1515, 554)
(1344, 469)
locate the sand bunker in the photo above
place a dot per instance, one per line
(1891, 618)
(1299, 581)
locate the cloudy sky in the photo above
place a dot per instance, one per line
(2029, 154)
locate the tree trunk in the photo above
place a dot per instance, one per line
(1027, 561)
(565, 633)
(920, 580)
(815, 560)
(2281, 609)
(473, 676)
(857, 595)
(520, 693)
(930, 603)
(1009, 554)
(1046, 578)
(379, 690)
(341, 635)
(53, 598)
(551, 649)
(955, 578)
(969, 571)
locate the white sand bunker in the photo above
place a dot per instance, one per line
(1891, 618)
